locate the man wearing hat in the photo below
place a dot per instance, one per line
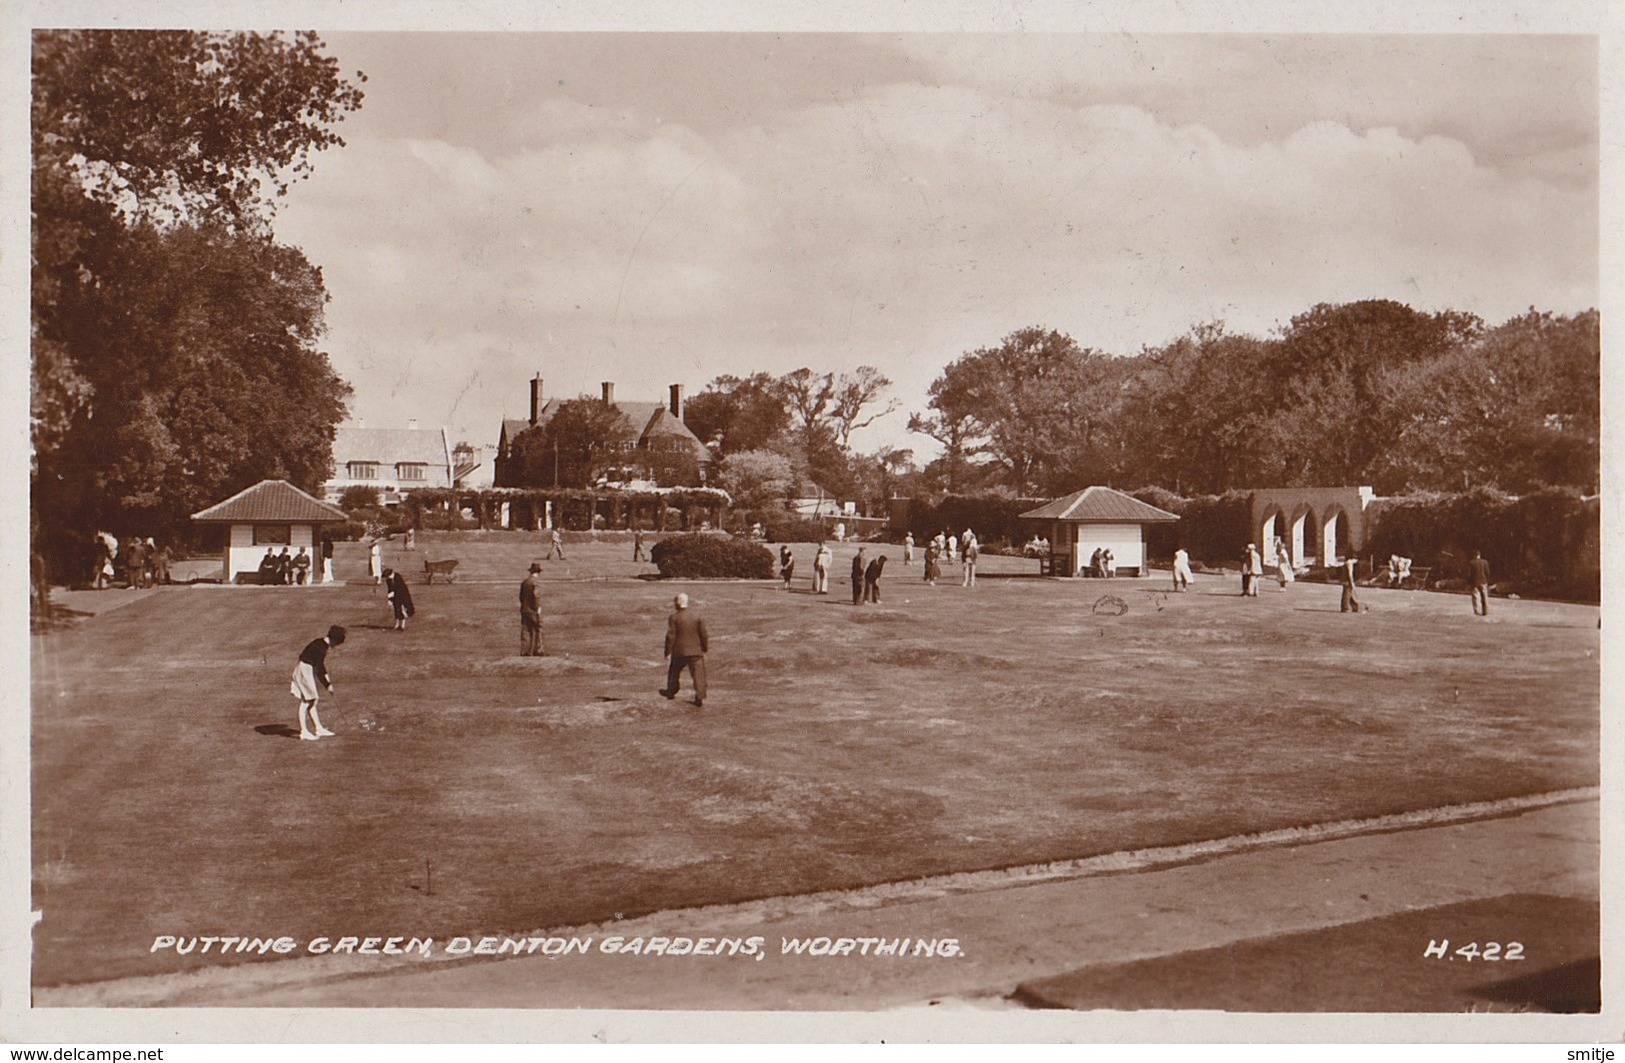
(530, 613)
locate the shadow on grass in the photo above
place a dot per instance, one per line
(277, 730)
(56, 618)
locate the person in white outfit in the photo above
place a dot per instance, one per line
(1182, 569)
(821, 563)
(309, 677)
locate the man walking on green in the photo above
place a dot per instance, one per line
(686, 644)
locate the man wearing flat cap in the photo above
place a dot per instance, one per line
(530, 613)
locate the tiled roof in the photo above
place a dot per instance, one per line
(663, 425)
(1100, 505)
(271, 501)
(389, 446)
(511, 427)
(648, 419)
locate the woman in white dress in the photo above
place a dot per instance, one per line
(1283, 561)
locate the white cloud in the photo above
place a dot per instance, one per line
(900, 224)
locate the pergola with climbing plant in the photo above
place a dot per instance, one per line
(572, 509)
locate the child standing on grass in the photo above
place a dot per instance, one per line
(309, 676)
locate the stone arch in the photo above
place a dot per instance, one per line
(1272, 527)
(1303, 534)
(1334, 536)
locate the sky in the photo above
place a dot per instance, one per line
(659, 208)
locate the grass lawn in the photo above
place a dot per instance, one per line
(945, 730)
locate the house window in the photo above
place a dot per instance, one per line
(363, 470)
(273, 534)
(411, 470)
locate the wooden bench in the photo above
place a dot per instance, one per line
(446, 569)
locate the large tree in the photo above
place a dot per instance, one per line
(174, 342)
(757, 479)
(1194, 418)
(735, 414)
(1334, 360)
(583, 439)
(205, 377)
(1516, 410)
(1038, 404)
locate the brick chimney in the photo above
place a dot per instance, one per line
(609, 393)
(677, 401)
(535, 398)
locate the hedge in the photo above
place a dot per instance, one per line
(785, 527)
(1213, 529)
(711, 557)
(991, 517)
(1546, 543)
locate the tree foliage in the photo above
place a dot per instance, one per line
(575, 446)
(174, 342)
(735, 414)
(757, 479)
(1362, 393)
(805, 416)
(177, 124)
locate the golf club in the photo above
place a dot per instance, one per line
(343, 716)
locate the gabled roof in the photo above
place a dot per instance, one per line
(271, 502)
(390, 446)
(1100, 505)
(649, 420)
(662, 424)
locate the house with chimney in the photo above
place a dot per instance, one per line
(656, 427)
(397, 461)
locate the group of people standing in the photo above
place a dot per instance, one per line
(945, 544)
(1252, 568)
(140, 562)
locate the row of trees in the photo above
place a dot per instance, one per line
(1370, 392)
(174, 341)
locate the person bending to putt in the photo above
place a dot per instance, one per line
(309, 676)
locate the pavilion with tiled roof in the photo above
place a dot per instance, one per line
(1098, 518)
(272, 514)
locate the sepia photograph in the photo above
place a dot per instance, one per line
(1029, 527)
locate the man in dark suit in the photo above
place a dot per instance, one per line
(686, 644)
(530, 613)
(859, 567)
